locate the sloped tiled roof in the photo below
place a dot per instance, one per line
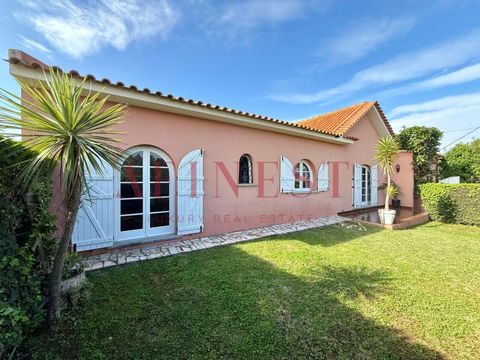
(24, 59)
(338, 122)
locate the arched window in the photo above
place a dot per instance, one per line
(245, 175)
(303, 176)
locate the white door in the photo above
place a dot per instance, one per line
(366, 186)
(363, 185)
(145, 205)
(190, 193)
(94, 224)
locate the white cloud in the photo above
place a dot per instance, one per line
(238, 18)
(406, 66)
(455, 115)
(448, 102)
(363, 38)
(464, 75)
(34, 45)
(82, 28)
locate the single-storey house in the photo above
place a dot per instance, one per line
(194, 169)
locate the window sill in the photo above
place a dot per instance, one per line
(304, 192)
(247, 185)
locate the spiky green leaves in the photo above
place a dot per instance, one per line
(385, 153)
(61, 120)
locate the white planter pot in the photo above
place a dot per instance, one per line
(389, 216)
(381, 216)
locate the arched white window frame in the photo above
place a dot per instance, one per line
(146, 232)
(303, 177)
(248, 168)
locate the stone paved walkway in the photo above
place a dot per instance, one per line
(159, 250)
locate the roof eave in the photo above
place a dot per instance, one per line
(151, 101)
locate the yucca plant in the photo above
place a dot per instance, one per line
(385, 155)
(71, 128)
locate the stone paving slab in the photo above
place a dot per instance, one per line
(155, 251)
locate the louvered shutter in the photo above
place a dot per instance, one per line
(374, 185)
(323, 177)
(357, 186)
(94, 227)
(287, 176)
(190, 193)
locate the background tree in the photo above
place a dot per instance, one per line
(72, 129)
(463, 160)
(424, 142)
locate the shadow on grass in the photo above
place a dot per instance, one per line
(330, 235)
(226, 303)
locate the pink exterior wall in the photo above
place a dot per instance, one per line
(404, 178)
(224, 143)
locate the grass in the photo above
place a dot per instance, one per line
(327, 293)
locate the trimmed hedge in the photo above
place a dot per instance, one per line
(452, 203)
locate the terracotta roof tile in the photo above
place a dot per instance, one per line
(20, 57)
(338, 122)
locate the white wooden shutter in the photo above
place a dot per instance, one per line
(190, 193)
(357, 186)
(94, 227)
(374, 185)
(323, 177)
(287, 176)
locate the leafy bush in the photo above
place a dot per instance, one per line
(26, 248)
(424, 142)
(463, 160)
(452, 203)
(73, 265)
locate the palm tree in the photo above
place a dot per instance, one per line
(71, 128)
(385, 155)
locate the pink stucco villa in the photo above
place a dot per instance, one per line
(194, 169)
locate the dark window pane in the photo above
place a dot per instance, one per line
(131, 190)
(159, 189)
(158, 205)
(245, 170)
(134, 159)
(132, 174)
(131, 222)
(157, 220)
(131, 206)
(159, 174)
(156, 160)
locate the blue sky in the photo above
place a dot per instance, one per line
(288, 59)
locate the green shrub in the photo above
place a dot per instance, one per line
(452, 203)
(26, 248)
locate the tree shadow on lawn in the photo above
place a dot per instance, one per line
(226, 303)
(330, 235)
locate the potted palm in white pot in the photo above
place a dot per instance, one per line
(385, 155)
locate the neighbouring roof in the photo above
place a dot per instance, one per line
(24, 59)
(338, 122)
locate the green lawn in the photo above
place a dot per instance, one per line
(327, 293)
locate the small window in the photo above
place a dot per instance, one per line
(245, 170)
(303, 176)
